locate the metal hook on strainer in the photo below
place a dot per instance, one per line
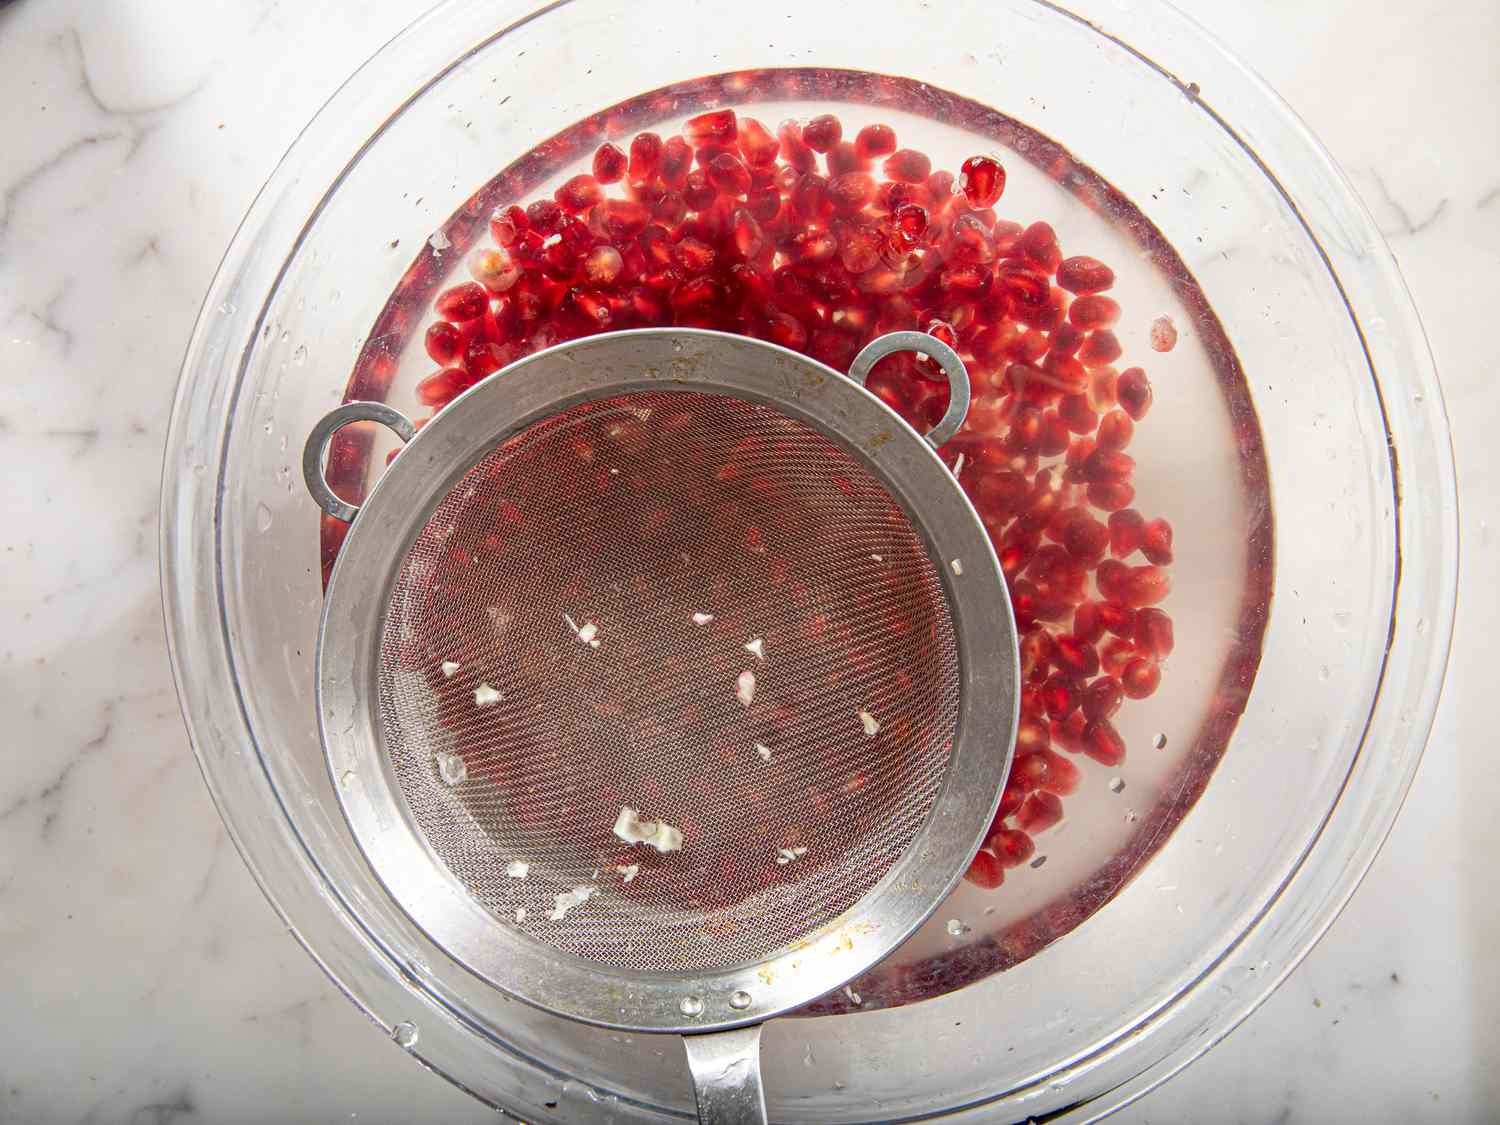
(669, 682)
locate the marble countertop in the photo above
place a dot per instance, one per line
(144, 977)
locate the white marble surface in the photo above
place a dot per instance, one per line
(143, 979)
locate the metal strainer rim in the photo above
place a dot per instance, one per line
(399, 505)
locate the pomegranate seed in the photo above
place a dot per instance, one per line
(1060, 695)
(1115, 655)
(940, 190)
(1085, 537)
(1117, 619)
(1140, 678)
(982, 180)
(1108, 466)
(579, 194)
(910, 222)
(1068, 733)
(1134, 390)
(757, 145)
(699, 192)
(1100, 348)
(716, 125)
(1101, 699)
(444, 343)
(1075, 656)
(1036, 652)
(907, 166)
(747, 234)
(1066, 339)
(851, 192)
(1055, 435)
(545, 216)
(442, 387)
(1163, 334)
(506, 224)
(645, 156)
(810, 198)
(1116, 430)
(1087, 624)
(1132, 586)
(1084, 275)
(462, 302)
(1103, 743)
(1101, 392)
(822, 132)
(1030, 770)
(1093, 312)
(1062, 775)
(1039, 244)
(729, 174)
(1153, 633)
(482, 358)
(1074, 410)
(1011, 798)
(842, 159)
(875, 140)
(494, 269)
(610, 164)
(676, 162)
(793, 150)
(1040, 812)
(859, 250)
(1156, 542)
(985, 871)
(1011, 846)
(1126, 532)
(602, 265)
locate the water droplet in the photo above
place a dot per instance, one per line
(262, 518)
(691, 1005)
(405, 1034)
(807, 1057)
(335, 297)
(1323, 672)
(1117, 785)
(270, 426)
(299, 357)
(285, 336)
(451, 769)
(957, 928)
(740, 1000)
(281, 445)
(1161, 742)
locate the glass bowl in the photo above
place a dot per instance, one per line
(1297, 444)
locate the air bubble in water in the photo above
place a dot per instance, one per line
(957, 928)
(405, 1034)
(299, 357)
(691, 1006)
(262, 518)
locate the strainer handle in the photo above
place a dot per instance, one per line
(726, 1076)
(322, 434)
(930, 346)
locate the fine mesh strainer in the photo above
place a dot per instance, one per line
(667, 681)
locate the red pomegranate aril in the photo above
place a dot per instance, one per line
(842, 159)
(813, 246)
(602, 265)
(716, 125)
(910, 222)
(1093, 312)
(985, 871)
(675, 163)
(1060, 696)
(1101, 699)
(610, 164)
(462, 302)
(982, 180)
(748, 237)
(1140, 678)
(1156, 542)
(483, 358)
(695, 294)
(1163, 334)
(506, 224)
(494, 269)
(1117, 619)
(442, 387)
(1127, 529)
(810, 198)
(765, 205)
(579, 194)
(645, 156)
(1055, 435)
(1101, 347)
(1074, 410)
(851, 192)
(1039, 244)
(699, 191)
(940, 191)
(1101, 392)
(545, 216)
(1036, 652)
(1030, 769)
(1103, 743)
(969, 240)
(1115, 654)
(1074, 656)
(444, 343)
(822, 132)
(1062, 777)
(756, 144)
(1087, 624)
(874, 141)
(1011, 846)
(907, 166)
(1132, 586)
(1134, 391)
(1040, 812)
(1108, 466)
(1153, 633)
(1066, 339)
(1084, 275)
(729, 174)
(1068, 733)
(1116, 430)
(1085, 537)
(793, 150)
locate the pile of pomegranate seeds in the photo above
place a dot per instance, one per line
(819, 243)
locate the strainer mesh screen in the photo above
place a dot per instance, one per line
(573, 571)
